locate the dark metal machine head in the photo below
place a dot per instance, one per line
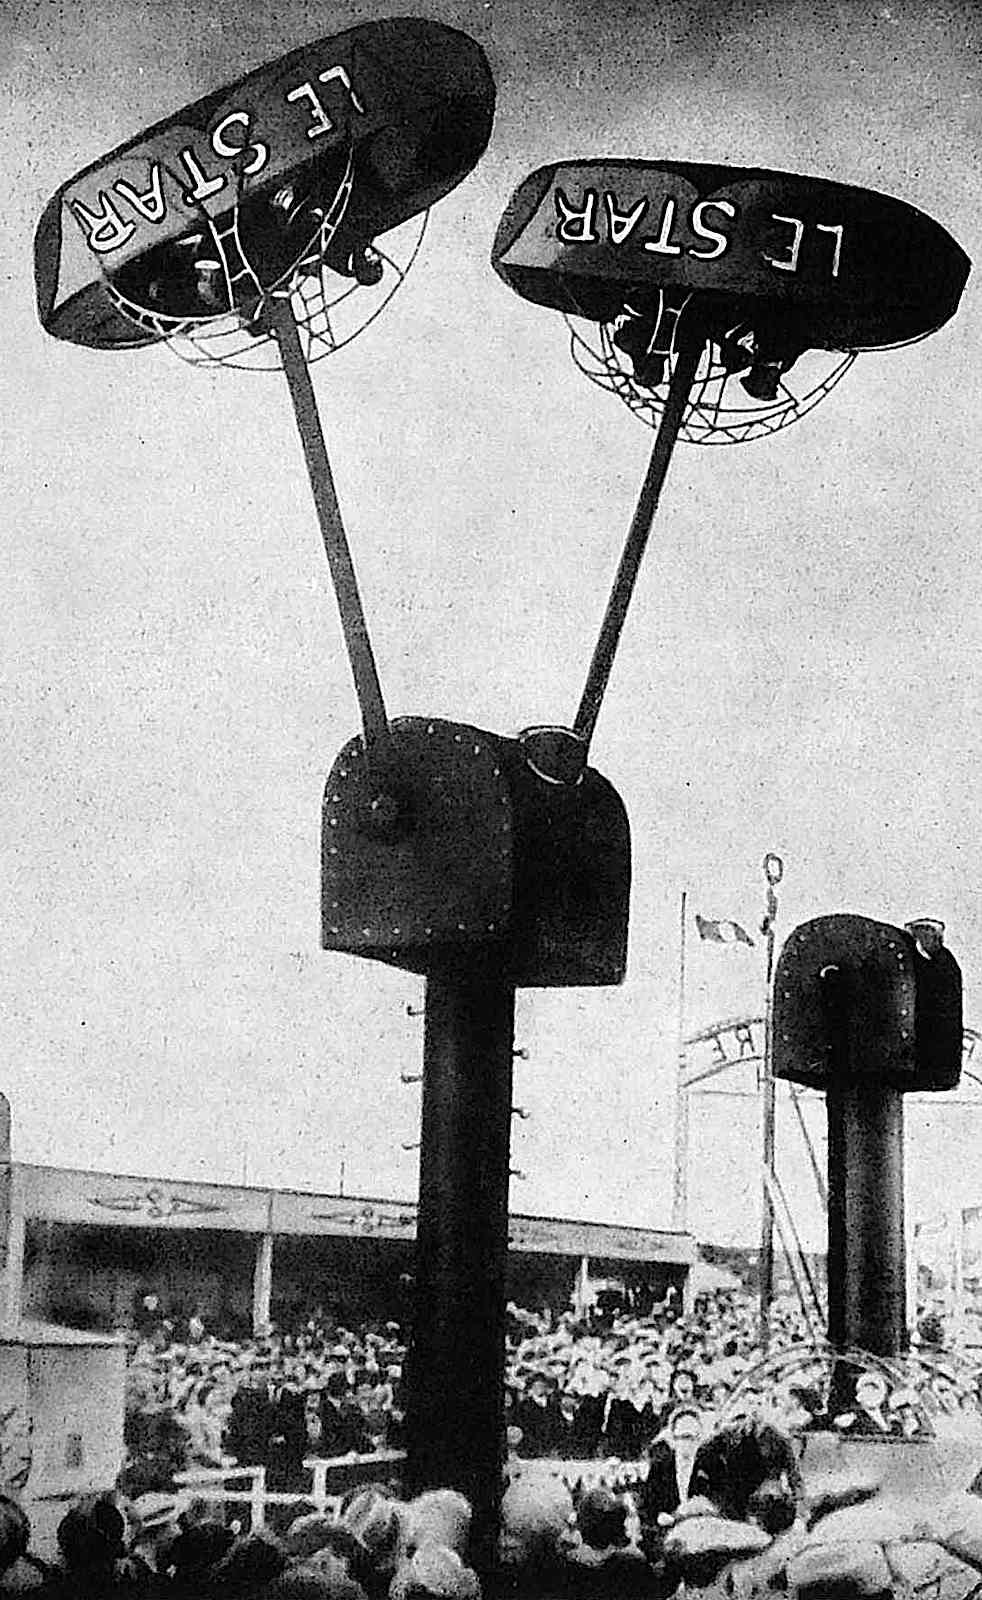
(463, 840)
(885, 1000)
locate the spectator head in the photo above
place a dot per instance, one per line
(92, 1536)
(437, 1516)
(740, 1460)
(536, 1521)
(569, 1404)
(307, 1534)
(375, 1520)
(840, 1570)
(602, 1519)
(252, 1560)
(682, 1384)
(196, 1550)
(435, 1573)
(323, 1576)
(803, 1408)
(15, 1532)
(318, 1535)
(871, 1391)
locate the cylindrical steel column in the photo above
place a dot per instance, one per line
(866, 1256)
(456, 1363)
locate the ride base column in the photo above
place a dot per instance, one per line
(867, 1012)
(457, 1363)
(866, 1257)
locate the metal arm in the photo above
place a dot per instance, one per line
(598, 676)
(363, 669)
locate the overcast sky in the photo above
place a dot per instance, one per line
(799, 671)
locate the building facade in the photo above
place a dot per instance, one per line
(86, 1247)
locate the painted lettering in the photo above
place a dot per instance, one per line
(719, 1050)
(662, 246)
(221, 146)
(623, 223)
(745, 1039)
(339, 74)
(202, 187)
(790, 264)
(104, 229)
(827, 227)
(720, 242)
(577, 225)
(322, 122)
(151, 204)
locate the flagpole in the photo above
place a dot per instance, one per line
(773, 873)
(680, 1196)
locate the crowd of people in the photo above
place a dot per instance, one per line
(743, 1519)
(579, 1386)
(195, 1399)
(678, 1437)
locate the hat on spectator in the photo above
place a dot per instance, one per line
(435, 1571)
(536, 1514)
(254, 1558)
(601, 1518)
(307, 1534)
(196, 1549)
(323, 1577)
(376, 1520)
(437, 1516)
(840, 1570)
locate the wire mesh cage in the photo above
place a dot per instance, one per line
(719, 411)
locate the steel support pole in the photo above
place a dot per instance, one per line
(866, 1259)
(457, 1356)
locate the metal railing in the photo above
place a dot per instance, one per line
(331, 1479)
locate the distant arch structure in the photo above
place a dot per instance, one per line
(739, 1041)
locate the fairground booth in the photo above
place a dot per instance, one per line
(94, 1244)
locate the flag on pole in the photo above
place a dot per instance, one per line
(722, 932)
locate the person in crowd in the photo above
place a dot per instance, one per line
(606, 1561)
(537, 1532)
(576, 1435)
(631, 1421)
(251, 1419)
(343, 1430)
(206, 1418)
(20, 1572)
(666, 1485)
(537, 1414)
(435, 1571)
(869, 1416)
(750, 1471)
(375, 1518)
(95, 1560)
